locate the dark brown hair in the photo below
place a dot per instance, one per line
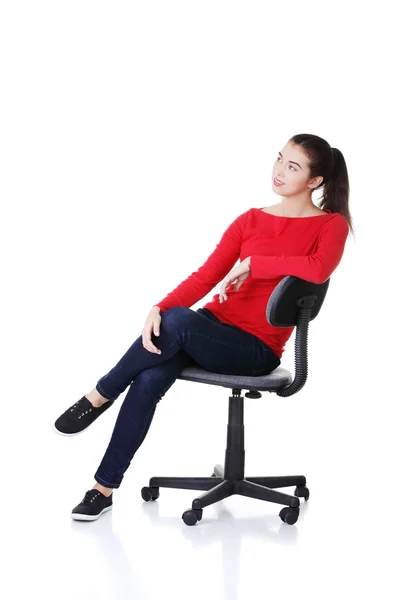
(328, 163)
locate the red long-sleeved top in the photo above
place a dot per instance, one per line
(306, 247)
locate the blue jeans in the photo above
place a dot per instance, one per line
(187, 338)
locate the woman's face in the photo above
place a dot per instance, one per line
(291, 168)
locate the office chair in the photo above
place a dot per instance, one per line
(294, 302)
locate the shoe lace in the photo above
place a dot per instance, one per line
(91, 495)
(79, 410)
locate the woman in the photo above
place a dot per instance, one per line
(229, 334)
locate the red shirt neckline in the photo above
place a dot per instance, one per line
(327, 211)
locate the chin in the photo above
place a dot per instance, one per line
(276, 191)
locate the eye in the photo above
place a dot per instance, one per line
(291, 166)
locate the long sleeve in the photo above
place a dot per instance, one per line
(216, 267)
(316, 267)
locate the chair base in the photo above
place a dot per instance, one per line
(229, 480)
(220, 488)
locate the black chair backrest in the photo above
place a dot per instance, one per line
(294, 303)
(289, 297)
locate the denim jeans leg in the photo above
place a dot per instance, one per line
(135, 417)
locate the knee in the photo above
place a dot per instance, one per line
(176, 316)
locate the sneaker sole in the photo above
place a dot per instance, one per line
(82, 517)
(70, 434)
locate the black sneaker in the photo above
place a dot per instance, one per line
(79, 416)
(92, 506)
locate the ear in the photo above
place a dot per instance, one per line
(315, 182)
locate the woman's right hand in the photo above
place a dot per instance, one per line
(151, 325)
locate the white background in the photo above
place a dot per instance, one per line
(132, 135)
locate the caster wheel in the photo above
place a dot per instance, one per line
(218, 471)
(302, 492)
(289, 515)
(150, 493)
(191, 516)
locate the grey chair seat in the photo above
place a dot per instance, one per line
(265, 383)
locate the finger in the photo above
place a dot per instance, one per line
(153, 348)
(147, 343)
(146, 333)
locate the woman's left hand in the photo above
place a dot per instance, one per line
(239, 273)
